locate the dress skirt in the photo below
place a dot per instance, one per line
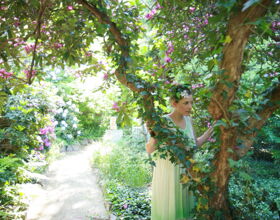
(170, 200)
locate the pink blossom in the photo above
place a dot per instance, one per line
(125, 206)
(43, 131)
(70, 7)
(47, 142)
(116, 107)
(200, 85)
(167, 82)
(30, 74)
(205, 21)
(149, 16)
(186, 36)
(212, 140)
(17, 23)
(158, 6)
(105, 76)
(57, 45)
(170, 48)
(167, 59)
(29, 47)
(191, 9)
(4, 74)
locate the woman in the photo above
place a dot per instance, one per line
(170, 201)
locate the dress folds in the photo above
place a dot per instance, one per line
(170, 200)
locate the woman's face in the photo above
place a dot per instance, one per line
(184, 105)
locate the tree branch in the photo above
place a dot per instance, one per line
(131, 81)
(254, 124)
(238, 31)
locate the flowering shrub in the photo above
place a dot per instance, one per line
(67, 121)
(26, 113)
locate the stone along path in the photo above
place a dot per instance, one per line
(70, 190)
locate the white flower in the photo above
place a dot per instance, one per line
(64, 124)
(75, 126)
(39, 139)
(185, 94)
(60, 110)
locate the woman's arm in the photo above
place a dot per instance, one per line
(203, 138)
(151, 145)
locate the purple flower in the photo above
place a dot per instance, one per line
(70, 7)
(30, 74)
(57, 45)
(205, 21)
(29, 47)
(47, 142)
(125, 206)
(191, 9)
(212, 140)
(116, 107)
(158, 6)
(4, 74)
(170, 48)
(43, 131)
(167, 59)
(149, 16)
(105, 76)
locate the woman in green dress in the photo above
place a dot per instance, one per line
(170, 201)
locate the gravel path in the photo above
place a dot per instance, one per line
(70, 191)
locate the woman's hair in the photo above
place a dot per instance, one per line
(178, 92)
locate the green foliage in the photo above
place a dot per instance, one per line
(254, 193)
(126, 176)
(10, 198)
(128, 203)
(268, 138)
(27, 113)
(124, 165)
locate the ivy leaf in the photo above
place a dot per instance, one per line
(249, 3)
(228, 39)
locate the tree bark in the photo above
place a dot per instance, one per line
(223, 96)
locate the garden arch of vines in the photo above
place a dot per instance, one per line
(227, 51)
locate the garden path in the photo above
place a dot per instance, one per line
(70, 191)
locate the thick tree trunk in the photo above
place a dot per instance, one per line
(223, 96)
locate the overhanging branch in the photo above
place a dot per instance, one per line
(254, 124)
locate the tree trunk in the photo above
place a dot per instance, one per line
(222, 98)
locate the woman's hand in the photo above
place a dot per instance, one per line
(207, 134)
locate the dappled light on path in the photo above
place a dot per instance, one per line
(71, 191)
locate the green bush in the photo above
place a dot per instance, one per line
(11, 203)
(126, 176)
(128, 203)
(267, 143)
(254, 191)
(123, 165)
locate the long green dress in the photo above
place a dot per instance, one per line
(170, 201)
